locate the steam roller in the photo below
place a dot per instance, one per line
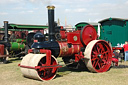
(78, 49)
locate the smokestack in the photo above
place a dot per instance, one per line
(6, 31)
(51, 23)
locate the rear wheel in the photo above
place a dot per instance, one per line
(99, 56)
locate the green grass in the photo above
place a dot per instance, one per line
(10, 74)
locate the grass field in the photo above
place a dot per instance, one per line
(10, 74)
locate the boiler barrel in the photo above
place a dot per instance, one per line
(17, 46)
(66, 50)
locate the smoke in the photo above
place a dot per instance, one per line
(3, 2)
(34, 2)
(44, 2)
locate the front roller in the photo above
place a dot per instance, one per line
(99, 56)
(34, 66)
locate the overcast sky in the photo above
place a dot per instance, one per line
(35, 11)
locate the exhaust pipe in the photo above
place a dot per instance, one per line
(6, 31)
(51, 23)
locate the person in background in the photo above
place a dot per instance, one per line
(115, 59)
(12, 36)
(23, 35)
(126, 50)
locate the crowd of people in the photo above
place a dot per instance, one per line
(14, 36)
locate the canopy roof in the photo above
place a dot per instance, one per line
(16, 27)
(109, 19)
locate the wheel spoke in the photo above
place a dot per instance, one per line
(54, 69)
(93, 63)
(105, 57)
(101, 46)
(99, 65)
(93, 59)
(98, 49)
(96, 63)
(105, 52)
(95, 53)
(44, 73)
(104, 62)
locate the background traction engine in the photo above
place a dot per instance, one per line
(78, 49)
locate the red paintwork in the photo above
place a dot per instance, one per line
(66, 51)
(73, 37)
(88, 34)
(48, 56)
(1, 49)
(78, 57)
(40, 67)
(30, 51)
(48, 68)
(30, 67)
(100, 57)
(117, 48)
(63, 34)
(114, 60)
(35, 40)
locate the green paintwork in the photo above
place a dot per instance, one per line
(114, 30)
(21, 27)
(83, 24)
(17, 46)
(20, 40)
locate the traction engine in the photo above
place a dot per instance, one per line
(78, 49)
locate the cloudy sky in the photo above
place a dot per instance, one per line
(74, 11)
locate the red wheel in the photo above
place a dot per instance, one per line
(32, 60)
(99, 56)
(48, 73)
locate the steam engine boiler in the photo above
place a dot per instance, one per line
(78, 49)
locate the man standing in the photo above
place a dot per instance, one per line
(126, 51)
